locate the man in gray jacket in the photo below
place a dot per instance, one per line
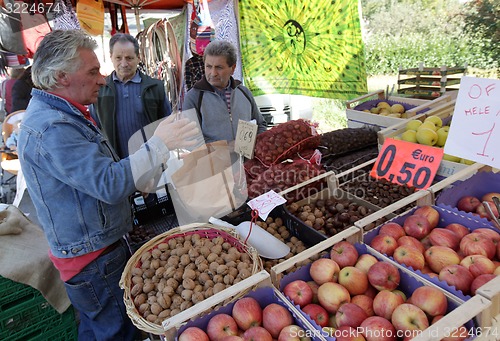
(221, 101)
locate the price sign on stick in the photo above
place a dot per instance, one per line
(266, 202)
(475, 130)
(246, 135)
(407, 163)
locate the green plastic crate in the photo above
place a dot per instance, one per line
(63, 329)
(13, 293)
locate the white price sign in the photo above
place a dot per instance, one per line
(246, 135)
(266, 202)
(475, 129)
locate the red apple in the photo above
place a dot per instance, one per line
(478, 265)
(193, 334)
(417, 226)
(385, 302)
(392, 229)
(430, 213)
(411, 241)
(371, 291)
(247, 313)
(426, 242)
(275, 317)
(468, 203)
(332, 295)
(354, 280)
(489, 196)
(431, 300)
(317, 313)
(376, 328)
(314, 287)
(479, 281)
(384, 244)
(444, 237)
(384, 275)
(293, 333)
(494, 236)
(365, 261)
(400, 293)
(324, 270)
(220, 326)
(348, 333)
(478, 244)
(498, 251)
(257, 334)
(299, 292)
(458, 276)
(483, 213)
(233, 338)
(437, 257)
(409, 256)
(364, 302)
(459, 229)
(349, 314)
(344, 253)
(407, 317)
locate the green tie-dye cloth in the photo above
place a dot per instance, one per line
(303, 47)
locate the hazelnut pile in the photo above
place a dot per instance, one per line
(180, 272)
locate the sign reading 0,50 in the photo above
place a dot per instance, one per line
(407, 163)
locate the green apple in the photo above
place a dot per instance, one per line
(383, 105)
(410, 136)
(451, 157)
(384, 112)
(426, 136)
(397, 108)
(438, 122)
(413, 124)
(428, 125)
(442, 136)
(375, 110)
(394, 114)
(467, 162)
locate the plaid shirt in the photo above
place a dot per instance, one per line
(193, 70)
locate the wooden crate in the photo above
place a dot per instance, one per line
(357, 118)
(490, 317)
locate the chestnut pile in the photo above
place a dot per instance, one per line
(332, 215)
(343, 163)
(380, 192)
(347, 140)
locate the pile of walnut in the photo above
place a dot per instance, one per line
(183, 271)
(278, 229)
(332, 215)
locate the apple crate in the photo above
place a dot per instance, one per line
(491, 291)
(357, 118)
(458, 312)
(446, 217)
(265, 294)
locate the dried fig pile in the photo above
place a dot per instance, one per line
(183, 271)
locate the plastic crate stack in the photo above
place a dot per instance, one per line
(26, 315)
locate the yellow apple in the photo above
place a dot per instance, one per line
(383, 105)
(413, 124)
(442, 136)
(384, 112)
(451, 157)
(426, 136)
(438, 122)
(366, 110)
(375, 110)
(410, 136)
(467, 162)
(428, 125)
(393, 114)
(397, 108)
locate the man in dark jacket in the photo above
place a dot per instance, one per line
(130, 100)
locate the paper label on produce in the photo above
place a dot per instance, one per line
(475, 130)
(266, 202)
(246, 136)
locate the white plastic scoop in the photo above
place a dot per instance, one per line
(267, 245)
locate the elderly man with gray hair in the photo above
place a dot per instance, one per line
(79, 186)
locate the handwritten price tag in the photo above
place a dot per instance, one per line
(407, 163)
(475, 130)
(266, 202)
(246, 135)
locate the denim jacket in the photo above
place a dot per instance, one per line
(79, 186)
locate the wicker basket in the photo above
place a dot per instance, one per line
(205, 231)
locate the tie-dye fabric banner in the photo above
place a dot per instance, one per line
(312, 48)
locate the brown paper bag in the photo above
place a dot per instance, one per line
(208, 184)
